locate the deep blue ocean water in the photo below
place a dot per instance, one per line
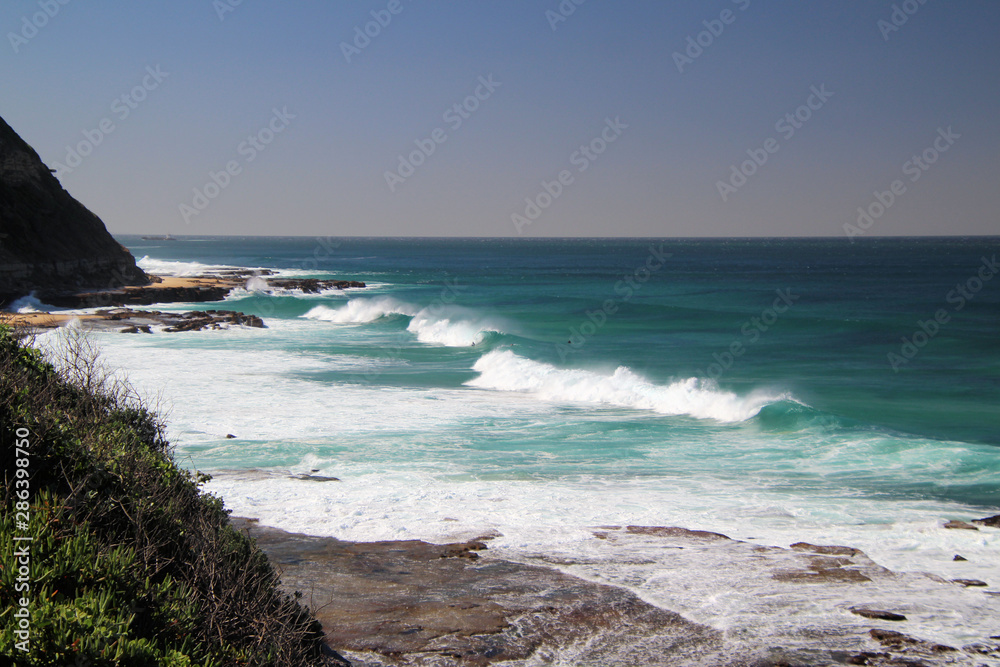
(771, 389)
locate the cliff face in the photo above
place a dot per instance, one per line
(48, 239)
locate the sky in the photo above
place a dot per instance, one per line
(515, 118)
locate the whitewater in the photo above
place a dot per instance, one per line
(447, 413)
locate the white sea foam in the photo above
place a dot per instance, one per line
(361, 311)
(502, 370)
(410, 469)
(437, 324)
(257, 284)
(165, 267)
(30, 304)
(552, 522)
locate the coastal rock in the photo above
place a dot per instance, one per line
(415, 603)
(827, 550)
(991, 521)
(48, 238)
(879, 614)
(959, 525)
(867, 658)
(823, 575)
(832, 564)
(969, 582)
(959, 557)
(141, 321)
(313, 285)
(128, 296)
(315, 478)
(897, 640)
(674, 531)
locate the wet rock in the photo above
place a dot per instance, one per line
(136, 296)
(959, 557)
(879, 614)
(825, 549)
(314, 478)
(673, 531)
(867, 658)
(415, 603)
(991, 521)
(983, 649)
(831, 564)
(467, 550)
(230, 436)
(823, 575)
(960, 525)
(969, 582)
(313, 285)
(898, 641)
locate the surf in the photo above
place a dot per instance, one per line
(437, 324)
(503, 370)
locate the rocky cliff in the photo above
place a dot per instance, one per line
(47, 238)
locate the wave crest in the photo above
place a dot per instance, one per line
(166, 267)
(361, 311)
(450, 326)
(502, 370)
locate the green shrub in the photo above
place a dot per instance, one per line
(131, 563)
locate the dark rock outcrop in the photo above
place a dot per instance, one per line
(314, 285)
(134, 297)
(126, 320)
(880, 614)
(991, 521)
(47, 238)
(959, 525)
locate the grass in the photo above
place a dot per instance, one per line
(131, 564)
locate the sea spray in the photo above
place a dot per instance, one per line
(502, 370)
(437, 324)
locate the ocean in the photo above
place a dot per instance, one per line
(774, 390)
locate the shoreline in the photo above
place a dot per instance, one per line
(162, 290)
(482, 630)
(409, 602)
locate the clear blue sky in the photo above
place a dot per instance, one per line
(676, 134)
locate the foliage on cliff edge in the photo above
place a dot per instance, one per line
(130, 563)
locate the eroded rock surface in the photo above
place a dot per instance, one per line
(415, 603)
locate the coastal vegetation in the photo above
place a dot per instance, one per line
(128, 562)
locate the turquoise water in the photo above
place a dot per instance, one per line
(538, 388)
(853, 302)
(801, 331)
